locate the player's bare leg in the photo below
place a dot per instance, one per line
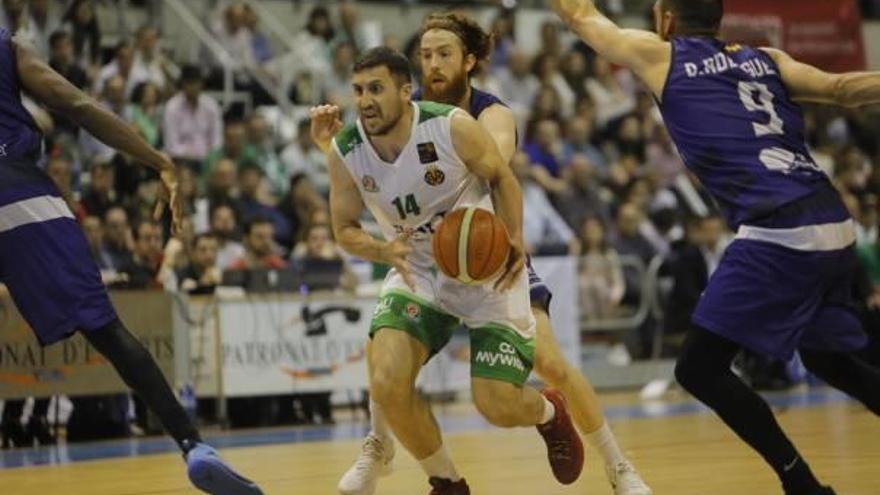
(586, 411)
(394, 361)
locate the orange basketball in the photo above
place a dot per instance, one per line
(471, 245)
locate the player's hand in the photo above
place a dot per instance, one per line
(325, 123)
(168, 195)
(395, 253)
(516, 261)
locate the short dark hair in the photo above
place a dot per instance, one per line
(476, 40)
(204, 235)
(191, 73)
(696, 17)
(144, 222)
(382, 56)
(255, 221)
(56, 37)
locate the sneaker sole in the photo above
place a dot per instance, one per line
(212, 476)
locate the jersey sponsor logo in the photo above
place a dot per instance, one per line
(505, 357)
(434, 176)
(422, 230)
(427, 152)
(369, 184)
(412, 310)
(733, 48)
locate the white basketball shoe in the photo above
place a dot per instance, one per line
(373, 463)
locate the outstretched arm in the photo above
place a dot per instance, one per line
(808, 83)
(641, 51)
(51, 89)
(478, 151)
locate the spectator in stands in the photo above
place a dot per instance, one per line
(260, 46)
(12, 15)
(612, 100)
(336, 84)
(222, 186)
(101, 193)
(120, 65)
(547, 105)
(519, 86)
(261, 145)
(629, 139)
(662, 157)
(63, 59)
(600, 277)
(81, 21)
(546, 69)
(254, 202)
(866, 220)
(144, 112)
(234, 36)
(58, 169)
(143, 269)
(42, 21)
(118, 237)
(150, 65)
(113, 98)
(299, 203)
(544, 230)
(504, 35)
(234, 147)
(545, 147)
(690, 266)
(191, 124)
(201, 275)
(94, 232)
(303, 157)
(579, 140)
(574, 70)
(224, 229)
(259, 245)
(630, 240)
(319, 245)
(582, 197)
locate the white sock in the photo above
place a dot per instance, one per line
(378, 425)
(603, 441)
(439, 465)
(549, 412)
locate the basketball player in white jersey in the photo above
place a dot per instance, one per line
(409, 164)
(451, 47)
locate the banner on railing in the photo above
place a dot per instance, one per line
(824, 33)
(277, 345)
(72, 366)
(281, 344)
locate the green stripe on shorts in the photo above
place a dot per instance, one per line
(424, 321)
(500, 353)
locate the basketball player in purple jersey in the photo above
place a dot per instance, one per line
(451, 47)
(45, 260)
(784, 283)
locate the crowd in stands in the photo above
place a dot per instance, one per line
(600, 177)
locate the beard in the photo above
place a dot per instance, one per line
(452, 92)
(385, 127)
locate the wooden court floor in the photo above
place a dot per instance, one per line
(690, 454)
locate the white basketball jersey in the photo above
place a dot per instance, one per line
(427, 180)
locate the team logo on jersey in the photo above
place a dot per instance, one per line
(427, 152)
(412, 310)
(434, 176)
(733, 48)
(369, 184)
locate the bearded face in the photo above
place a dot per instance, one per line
(445, 67)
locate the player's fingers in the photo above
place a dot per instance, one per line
(159, 210)
(403, 269)
(511, 274)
